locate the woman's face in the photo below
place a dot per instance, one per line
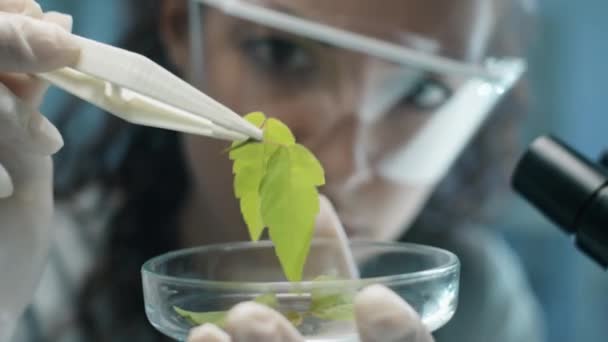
(328, 96)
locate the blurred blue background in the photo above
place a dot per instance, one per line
(568, 69)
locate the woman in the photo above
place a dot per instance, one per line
(163, 191)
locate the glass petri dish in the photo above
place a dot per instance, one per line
(185, 288)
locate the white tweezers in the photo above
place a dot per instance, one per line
(140, 91)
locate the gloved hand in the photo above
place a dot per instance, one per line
(381, 315)
(30, 41)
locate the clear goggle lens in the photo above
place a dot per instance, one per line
(410, 112)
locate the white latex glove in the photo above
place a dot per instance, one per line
(381, 315)
(30, 41)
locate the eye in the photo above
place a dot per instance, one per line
(428, 94)
(278, 54)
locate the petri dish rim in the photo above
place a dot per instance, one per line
(449, 265)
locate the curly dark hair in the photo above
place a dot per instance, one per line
(132, 161)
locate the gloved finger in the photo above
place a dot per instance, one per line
(382, 315)
(27, 87)
(65, 21)
(29, 8)
(338, 254)
(208, 333)
(252, 322)
(37, 86)
(30, 45)
(23, 125)
(6, 183)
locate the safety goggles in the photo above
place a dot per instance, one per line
(416, 109)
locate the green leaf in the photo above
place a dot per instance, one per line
(249, 169)
(277, 132)
(323, 301)
(268, 299)
(290, 204)
(341, 312)
(256, 118)
(306, 166)
(276, 182)
(294, 317)
(218, 317)
(200, 318)
(330, 304)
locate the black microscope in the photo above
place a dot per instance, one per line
(569, 189)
